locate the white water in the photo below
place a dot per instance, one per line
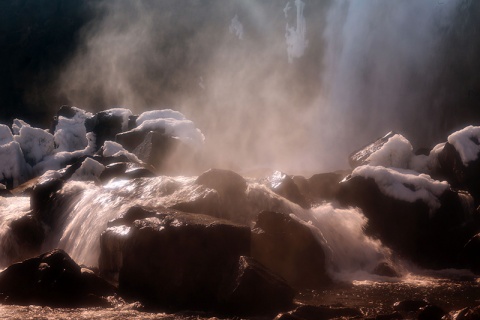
(340, 231)
(10, 210)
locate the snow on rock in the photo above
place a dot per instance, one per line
(115, 149)
(404, 184)
(17, 125)
(172, 123)
(70, 133)
(59, 159)
(467, 143)
(89, 170)
(36, 143)
(5, 134)
(160, 114)
(396, 152)
(13, 168)
(122, 113)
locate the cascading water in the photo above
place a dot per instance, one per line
(86, 216)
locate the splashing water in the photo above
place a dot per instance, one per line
(338, 230)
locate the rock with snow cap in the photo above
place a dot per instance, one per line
(107, 124)
(459, 160)
(419, 217)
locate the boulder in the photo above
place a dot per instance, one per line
(226, 182)
(386, 269)
(360, 156)
(52, 279)
(105, 125)
(42, 196)
(430, 236)
(460, 175)
(325, 186)
(175, 259)
(164, 152)
(255, 290)
(471, 254)
(284, 185)
(290, 249)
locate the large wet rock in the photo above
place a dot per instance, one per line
(52, 279)
(174, 259)
(460, 175)
(290, 249)
(325, 186)
(431, 236)
(471, 254)
(107, 124)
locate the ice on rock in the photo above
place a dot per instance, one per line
(396, 152)
(5, 134)
(123, 113)
(405, 184)
(160, 114)
(115, 149)
(173, 123)
(58, 160)
(12, 165)
(17, 125)
(70, 133)
(88, 171)
(467, 143)
(36, 144)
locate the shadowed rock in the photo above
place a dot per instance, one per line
(290, 249)
(52, 279)
(175, 259)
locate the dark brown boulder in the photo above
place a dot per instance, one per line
(226, 182)
(431, 312)
(471, 254)
(359, 157)
(105, 125)
(459, 175)
(52, 279)
(409, 305)
(290, 249)
(386, 269)
(431, 238)
(42, 197)
(325, 186)
(180, 260)
(255, 290)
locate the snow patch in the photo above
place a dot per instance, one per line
(404, 184)
(396, 152)
(467, 143)
(70, 134)
(172, 123)
(36, 144)
(17, 125)
(115, 149)
(90, 170)
(5, 134)
(12, 165)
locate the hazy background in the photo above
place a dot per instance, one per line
(292, 85)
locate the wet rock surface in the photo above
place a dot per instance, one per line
(52, 279)
(177, 259)
(290, 249)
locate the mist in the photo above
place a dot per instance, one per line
(288, 85)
